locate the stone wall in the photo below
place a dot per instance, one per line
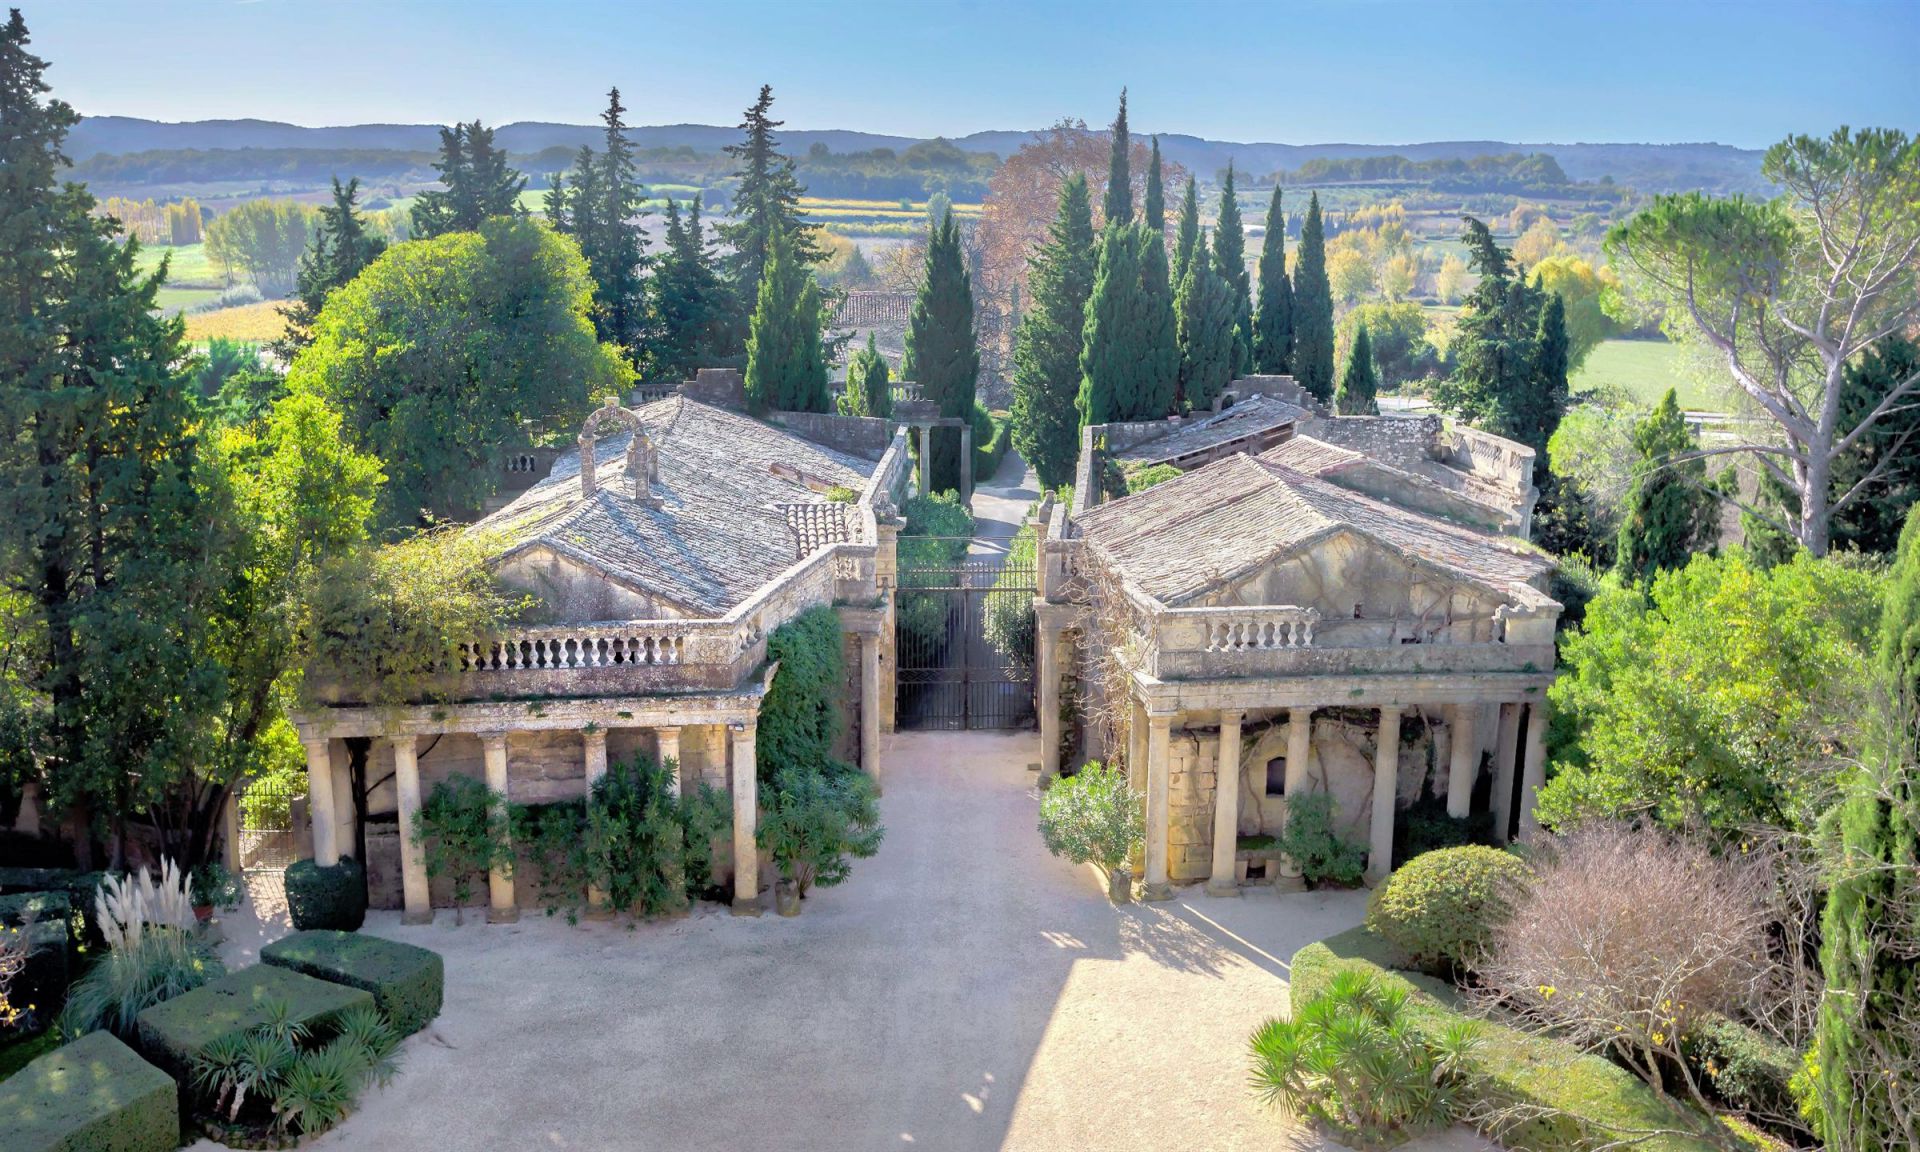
(724, 387)
(570, 593)
(863, 436)
(1280, 387)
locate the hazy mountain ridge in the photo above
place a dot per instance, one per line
(1649, 167)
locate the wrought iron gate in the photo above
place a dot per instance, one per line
(964, 648)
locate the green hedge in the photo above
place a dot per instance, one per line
(173, 1032)
(1441, 906)
(406, 982)
(1588, 1095)
(93, 1095)
(991, 440)
(1747, 1071)
(333, 897)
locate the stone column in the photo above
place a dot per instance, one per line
(229, 832)
(1386, 786)
(1534, 772)
(1158, 805)
(746, 849)
(1046, 658)
(413, 852)
(1465, 764)
(344, 840)
(320, 808)
(668, 740)
(1137, 773)
(1226, 809)
(1299, 750)
(966, 464)
(594, 758)
(870, 706)
(500, 904)
(926, 460)
(1506, 748)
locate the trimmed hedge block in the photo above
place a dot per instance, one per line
(43, 906)
(93, 1095)
(406, 982)
(173, 1032)
(333, 897)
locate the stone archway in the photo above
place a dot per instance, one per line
(642, 468)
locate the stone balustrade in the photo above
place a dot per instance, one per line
(1257, 629)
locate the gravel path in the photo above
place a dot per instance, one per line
(963, 990)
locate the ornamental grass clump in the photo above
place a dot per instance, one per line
(153, 953)
(1355, 1060)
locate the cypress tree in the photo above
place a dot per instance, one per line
(601, 210)
(1188, 231)
(1273, 327)
(1206, 333)
(786, 369)
(340, 249)
(1230, 260)
(1863, 1054)
(1153, 211)
(1360, 383)
(1118, 207)
(690, 307)
(1109, 357)
(1046, 353)
(942, 356)
(766, 201)
(1313, 309)
(869, 391)
(1158, 331)
(477, 184)
(1669, 511)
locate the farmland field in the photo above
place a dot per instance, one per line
(187, 268)
(1646, 369)
(258, 322)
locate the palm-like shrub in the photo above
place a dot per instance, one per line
(294, 1085)
(1094, 816)
(1354, 1059)
(1442, 907)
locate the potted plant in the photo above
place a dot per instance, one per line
(213, 887)
(1094, 817)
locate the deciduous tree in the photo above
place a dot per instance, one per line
(342, 246)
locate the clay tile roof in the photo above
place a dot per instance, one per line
(728, 486)
(1182, 538)
(1255, 414)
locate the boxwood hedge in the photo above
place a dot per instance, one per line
(334, 897)
(173, 1032)
(93, 1095)
(406, 982)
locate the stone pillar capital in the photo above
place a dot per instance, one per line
(492, 740)
(1231, 716)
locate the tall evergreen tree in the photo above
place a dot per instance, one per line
(943, 358)
(766, 202)
(869, 391)
(1159, 330)
(1118, 206)
(1360, 383)
(1230, 260)
(341, 248)
(110, 686)
(786, 367)
(1670, 512)
(1313, 308)
(1865, 1059)
(691, 307)
(1206, 333)
(477, 184)
(1187, 232)
(1046, 353)
(1130, 364)
(1153, 209)
(600, 205)
(1273, 327)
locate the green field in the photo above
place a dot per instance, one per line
(188, 268)
(1646, 369)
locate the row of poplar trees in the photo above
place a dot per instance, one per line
(1126, 325)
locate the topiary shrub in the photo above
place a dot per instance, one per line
(1323, 855)
(94, 1093)
(1442, 906)
(407, 983)
(1747, 1071)
(333, 897)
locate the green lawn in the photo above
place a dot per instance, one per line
(1646, 369)
(188, 268)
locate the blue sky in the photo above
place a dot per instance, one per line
(1741, 72)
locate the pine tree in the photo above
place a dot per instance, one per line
(942, 357)
(766, 202)
(1864, 1058)
(869, 391)
(1510, 375)
(690, 307)
(1153, 211)
(1118, 207)
(1206, 333)
(1273, 327)
(1187, 232)
(111, 687)
(477, 184)
(786, 368)
(1670, 512)
(1313, 309)
(1230, 260)
(1360, 382)
(600, 205)
(1046, 353)
(341, 248)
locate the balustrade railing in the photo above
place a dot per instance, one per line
(1256, 629)
(577, 646)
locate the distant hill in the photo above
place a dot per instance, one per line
(1647, 167)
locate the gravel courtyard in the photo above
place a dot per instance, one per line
(964, 990)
